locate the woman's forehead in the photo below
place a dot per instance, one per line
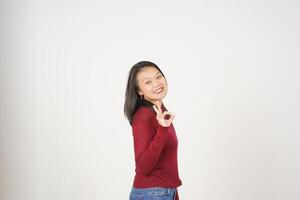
(147, 72)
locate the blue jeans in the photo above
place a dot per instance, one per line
(153, 193)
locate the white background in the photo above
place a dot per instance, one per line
(233, 74)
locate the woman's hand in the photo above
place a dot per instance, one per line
(164, 118)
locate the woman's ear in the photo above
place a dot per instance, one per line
(140, 93)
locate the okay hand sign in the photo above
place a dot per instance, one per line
(164, 118)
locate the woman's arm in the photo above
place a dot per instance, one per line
(147, 145)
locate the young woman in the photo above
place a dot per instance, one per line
(154, 137)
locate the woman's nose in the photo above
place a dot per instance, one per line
(156, 83)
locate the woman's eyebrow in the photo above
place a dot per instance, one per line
(154, 75)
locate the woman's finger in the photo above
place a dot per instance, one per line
(167, 115)
(158, 107)
(155, 108)
(172, 117)
(167, 112)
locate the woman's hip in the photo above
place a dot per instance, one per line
(153, 193)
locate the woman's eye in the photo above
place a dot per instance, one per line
(148, 82)
(159, 76)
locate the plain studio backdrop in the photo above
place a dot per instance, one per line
(233, 74)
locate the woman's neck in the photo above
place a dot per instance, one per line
(156, 102)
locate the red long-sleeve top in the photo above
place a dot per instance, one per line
(155, 149)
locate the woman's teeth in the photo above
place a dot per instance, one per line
(158, 91)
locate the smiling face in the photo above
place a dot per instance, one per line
(152, 84)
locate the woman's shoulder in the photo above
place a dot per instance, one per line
(144, 113)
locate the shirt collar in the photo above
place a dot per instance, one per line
(149, 104)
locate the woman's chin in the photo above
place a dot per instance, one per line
(159, 96)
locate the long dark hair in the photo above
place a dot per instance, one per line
(132, 98)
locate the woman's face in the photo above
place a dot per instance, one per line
(152, 84)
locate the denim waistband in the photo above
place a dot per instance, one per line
(154, 189)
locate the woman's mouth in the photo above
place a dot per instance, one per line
(159, 90)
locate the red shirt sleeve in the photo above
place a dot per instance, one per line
(149, 140)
